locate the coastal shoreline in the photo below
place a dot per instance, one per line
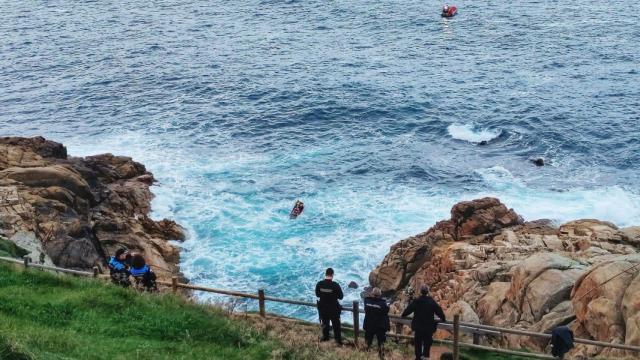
(74, 212)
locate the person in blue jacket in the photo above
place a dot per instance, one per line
(142, 273)
(376, 320)
(119, 269)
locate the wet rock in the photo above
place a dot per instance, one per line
(353, 285)
(537, 161)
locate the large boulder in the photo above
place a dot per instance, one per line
(35, 145)
(598, 298)
(482, 216)
(541, 282)
(49, 176)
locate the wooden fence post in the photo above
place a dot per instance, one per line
(174, 284)
(261, 302)
(456, 337)
(476, 338)
(26, 260)
(96, 271)
(356, 322)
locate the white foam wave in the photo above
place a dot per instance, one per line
(611, 203)
(470, 133)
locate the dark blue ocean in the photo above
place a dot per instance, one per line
(371, 112)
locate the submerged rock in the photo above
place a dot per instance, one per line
(75, 212)
(537, 161)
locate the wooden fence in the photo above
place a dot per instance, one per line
(456, 327)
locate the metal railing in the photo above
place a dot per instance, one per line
(455, 327)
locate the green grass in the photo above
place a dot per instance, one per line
(51, 317)
(44, 316)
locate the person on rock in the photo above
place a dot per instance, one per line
(329, 294)
(119, 269)
(376, 320)
(423, 323)
(144, 277)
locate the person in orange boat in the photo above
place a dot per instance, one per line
(449, 11)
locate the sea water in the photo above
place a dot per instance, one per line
(379, 115)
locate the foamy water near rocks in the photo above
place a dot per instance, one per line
(489, 266)
(75, 212)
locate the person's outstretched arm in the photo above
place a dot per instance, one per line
(439, 312)
(410, 309)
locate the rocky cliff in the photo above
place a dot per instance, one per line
(75, 212)
(491, 267)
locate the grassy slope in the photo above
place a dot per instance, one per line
(45, 316)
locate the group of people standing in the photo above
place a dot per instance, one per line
(376, 316)
(123, 265)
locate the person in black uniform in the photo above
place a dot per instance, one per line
(376, 319)
(423, 324)
(329, 292)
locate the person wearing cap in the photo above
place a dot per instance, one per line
(376, 319)
(118, 268)
(423, 323)
(329, 294)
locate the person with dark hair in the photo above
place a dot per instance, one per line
(561, 341)
(118, 268)
(144, 277)
(423, 323)
(329, 292)
(376, 320)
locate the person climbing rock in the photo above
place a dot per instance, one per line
(144, 277)
(118, 267)
(329, 294)
(298, 208)
(423, 323)
(376, 320)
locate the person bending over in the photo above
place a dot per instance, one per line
(376, 320)
(329, 293)
(423, 323)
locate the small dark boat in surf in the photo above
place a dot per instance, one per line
(298, 208)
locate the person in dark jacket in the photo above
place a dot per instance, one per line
(144, 277)
(376, 319)
(118, 268)
(423, 323)
(561, 341)
(329, 293)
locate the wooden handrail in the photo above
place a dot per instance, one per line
(464, 326)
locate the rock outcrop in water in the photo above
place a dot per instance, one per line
(491, 267)
(75, 212)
